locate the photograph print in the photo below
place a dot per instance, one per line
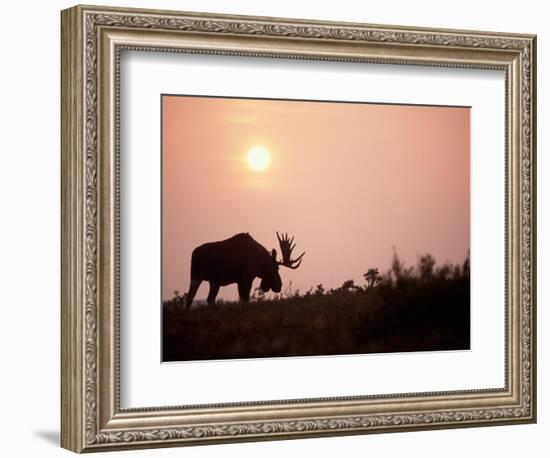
(313, 228)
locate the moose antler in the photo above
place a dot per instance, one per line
(287, 246)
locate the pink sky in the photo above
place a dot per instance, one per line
(348, 180)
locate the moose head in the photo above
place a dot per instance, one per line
(272, 280)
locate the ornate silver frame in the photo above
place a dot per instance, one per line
(92, 38)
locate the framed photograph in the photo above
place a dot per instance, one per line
(279, 228)
(231, 165)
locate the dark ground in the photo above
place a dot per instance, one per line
(408, 309)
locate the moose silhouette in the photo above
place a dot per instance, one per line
(239, 259)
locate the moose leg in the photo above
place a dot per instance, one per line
(193, 287)
(214, 288)
(244, 290)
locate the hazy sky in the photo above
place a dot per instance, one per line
(348, 180)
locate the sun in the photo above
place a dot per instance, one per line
(258, 158)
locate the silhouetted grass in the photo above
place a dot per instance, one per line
(407, 309)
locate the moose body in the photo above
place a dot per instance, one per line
(239, 259)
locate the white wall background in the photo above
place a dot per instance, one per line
(29, 240)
